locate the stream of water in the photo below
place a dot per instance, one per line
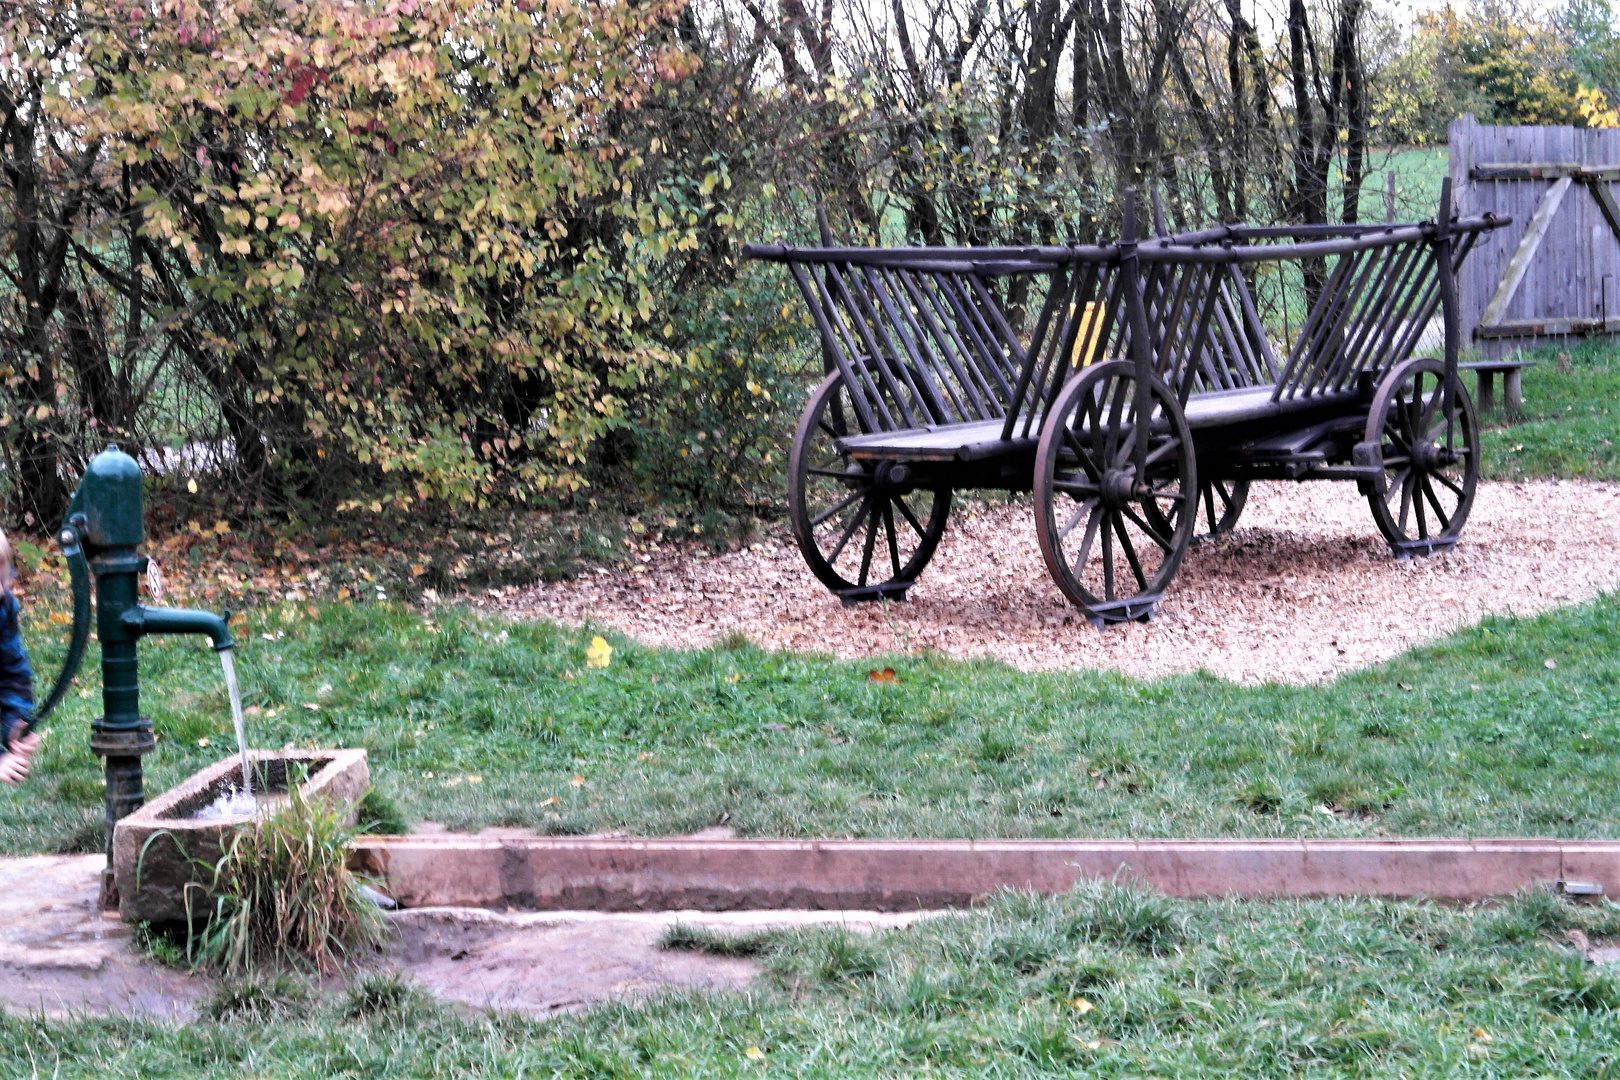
(228, 662)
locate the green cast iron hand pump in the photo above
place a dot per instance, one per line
(104, 527)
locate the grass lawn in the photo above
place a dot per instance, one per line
(1105, 981)
(476, 722)
(1571, 421)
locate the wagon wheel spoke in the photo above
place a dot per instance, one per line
(1153, 534)
(1093, 523)
(849, 530)
(841, 505)
(871, 543)
(1082, 454)
(888, 532)
(1076, 487)
(1115, 426)
(1157, 453)
(1439, 511)
(1209, 504)
(1086, 510)
(1450, 483)
(1129, 549)
(1108, 555)
(911, 519)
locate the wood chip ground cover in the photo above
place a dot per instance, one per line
(1304, 589)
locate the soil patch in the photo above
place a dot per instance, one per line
(60, 956)
(1304, 590)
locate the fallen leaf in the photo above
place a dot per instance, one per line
(886, 675)
(1483, 1036)
(600, 653)
(311, 706)
(753, 1053)
(1549, 663)
(1081, 1005)
(644, 756)
(578, 781)
(1403, 686)
(60, 617)
(203, 742)
(553, 801)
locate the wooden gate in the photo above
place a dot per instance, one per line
(1554, 275)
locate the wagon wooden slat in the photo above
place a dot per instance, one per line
(1135, 388)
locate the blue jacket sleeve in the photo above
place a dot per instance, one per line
(16, 674)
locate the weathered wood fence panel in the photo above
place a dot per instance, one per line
(1568, 283)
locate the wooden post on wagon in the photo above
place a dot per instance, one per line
(1141, 353)
(1448, 307)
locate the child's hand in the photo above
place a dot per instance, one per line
(14, 765)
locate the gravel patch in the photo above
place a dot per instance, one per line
(1303, 590)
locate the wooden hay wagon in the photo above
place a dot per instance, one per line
(1134, 388)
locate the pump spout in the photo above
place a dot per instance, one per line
(140, 620)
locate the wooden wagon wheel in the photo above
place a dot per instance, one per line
(1112, 541)
(861, 525)
(1427, 488)
(1220, 504)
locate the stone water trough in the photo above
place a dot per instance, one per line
(179, 848)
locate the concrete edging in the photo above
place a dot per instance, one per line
(617, 874)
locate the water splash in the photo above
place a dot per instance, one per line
(233, 802)
(228, 663)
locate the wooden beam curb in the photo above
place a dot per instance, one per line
(614, 874)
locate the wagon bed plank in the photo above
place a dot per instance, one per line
(939, 442)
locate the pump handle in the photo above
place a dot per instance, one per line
(71, 537)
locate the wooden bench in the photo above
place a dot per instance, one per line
(1512, 385)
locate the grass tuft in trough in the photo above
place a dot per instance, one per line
(283, 894)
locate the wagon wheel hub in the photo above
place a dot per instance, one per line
(1119, 488)
(1430, 457)
(893, 478)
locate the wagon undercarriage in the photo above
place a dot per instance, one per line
(1142, 399)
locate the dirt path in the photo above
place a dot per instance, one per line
(1304, 589)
